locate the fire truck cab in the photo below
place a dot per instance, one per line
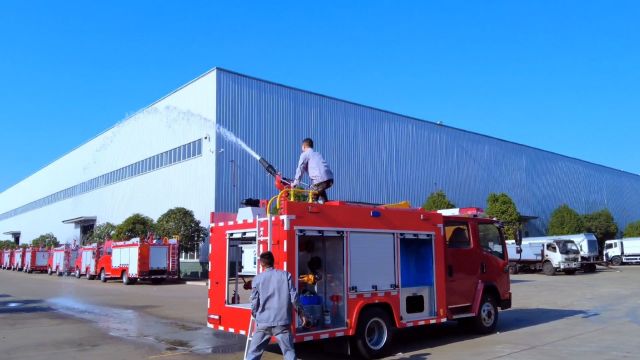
(362, 271)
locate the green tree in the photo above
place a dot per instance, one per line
(100, 232)
(602, 224)
(437, 201)
(502, 207)
(7, 244)
(46, 240)
(182, 223)
(136, 225)
(564, 221)
(632, 229)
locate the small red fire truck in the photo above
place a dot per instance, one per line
(363, 270)
(62, 260)
(18, 259)
(36, 259)
(7, 258)
(87, 261)
(138, 259)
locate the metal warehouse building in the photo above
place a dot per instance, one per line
(169, 154)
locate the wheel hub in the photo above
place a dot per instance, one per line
(376, 334)
(487, 314)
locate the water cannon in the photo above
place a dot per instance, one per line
(270, 169)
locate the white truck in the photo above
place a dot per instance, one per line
(587, 243)
(622, 251)
(550, 256)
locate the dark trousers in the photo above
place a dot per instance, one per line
(321, 190)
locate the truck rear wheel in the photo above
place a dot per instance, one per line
(49, 271)
(548, 269)
(78, 274)
(616, 261)
(373, 334)
(103, 276)
(125, 279)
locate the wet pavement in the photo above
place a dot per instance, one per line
(562, 317)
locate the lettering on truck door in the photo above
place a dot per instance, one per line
(463, 266)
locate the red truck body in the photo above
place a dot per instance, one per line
(363, 270)
(7, 258)
(62, 260)
(138, 259)
(18, 259)
(87, 261)
(36, 259)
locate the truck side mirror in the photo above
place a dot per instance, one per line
(519, 237)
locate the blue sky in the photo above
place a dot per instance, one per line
(560, 75)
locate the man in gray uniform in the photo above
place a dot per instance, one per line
(314, 164)
(272, 298)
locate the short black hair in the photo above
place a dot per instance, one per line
(266, 259)
(308, 142)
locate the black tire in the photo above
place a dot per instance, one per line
(486, 321)
(78, 274)
(589, 268)
(125, 279)
(513, 269)
(49, 271)
(90, 277)
(58, 272)
(570, 272)
(616, 261)
(548, 269)
(374, 333)
(103, 276)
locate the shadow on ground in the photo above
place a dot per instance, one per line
(426, 337)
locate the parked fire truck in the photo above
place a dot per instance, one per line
(7, 258)
(18, 259)
(87, 261)
(363, 270)
(138, 259)
(36, 259)
(62, 260)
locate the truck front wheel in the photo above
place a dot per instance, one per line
(125, 279)
(373, 334)
(616, 261)
(548, 269)
(486, 321)
(103, 276)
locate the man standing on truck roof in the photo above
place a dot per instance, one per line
(272, 297)
(315, 165)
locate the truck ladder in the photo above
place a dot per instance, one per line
(250, 331)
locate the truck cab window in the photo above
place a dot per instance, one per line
(491, 240)
(608, 246)
(457, 235)
(551, 247)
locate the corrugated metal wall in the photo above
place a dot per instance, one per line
(383, 157)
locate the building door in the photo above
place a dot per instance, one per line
(463, 266)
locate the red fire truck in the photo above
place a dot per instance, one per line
(87, 261)
(18, 259)
(138, 259)
(7, 258)
(36, 259)
(363, 270)
(62, 260)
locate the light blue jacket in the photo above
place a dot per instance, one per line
(273, 296)
(313, 163)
